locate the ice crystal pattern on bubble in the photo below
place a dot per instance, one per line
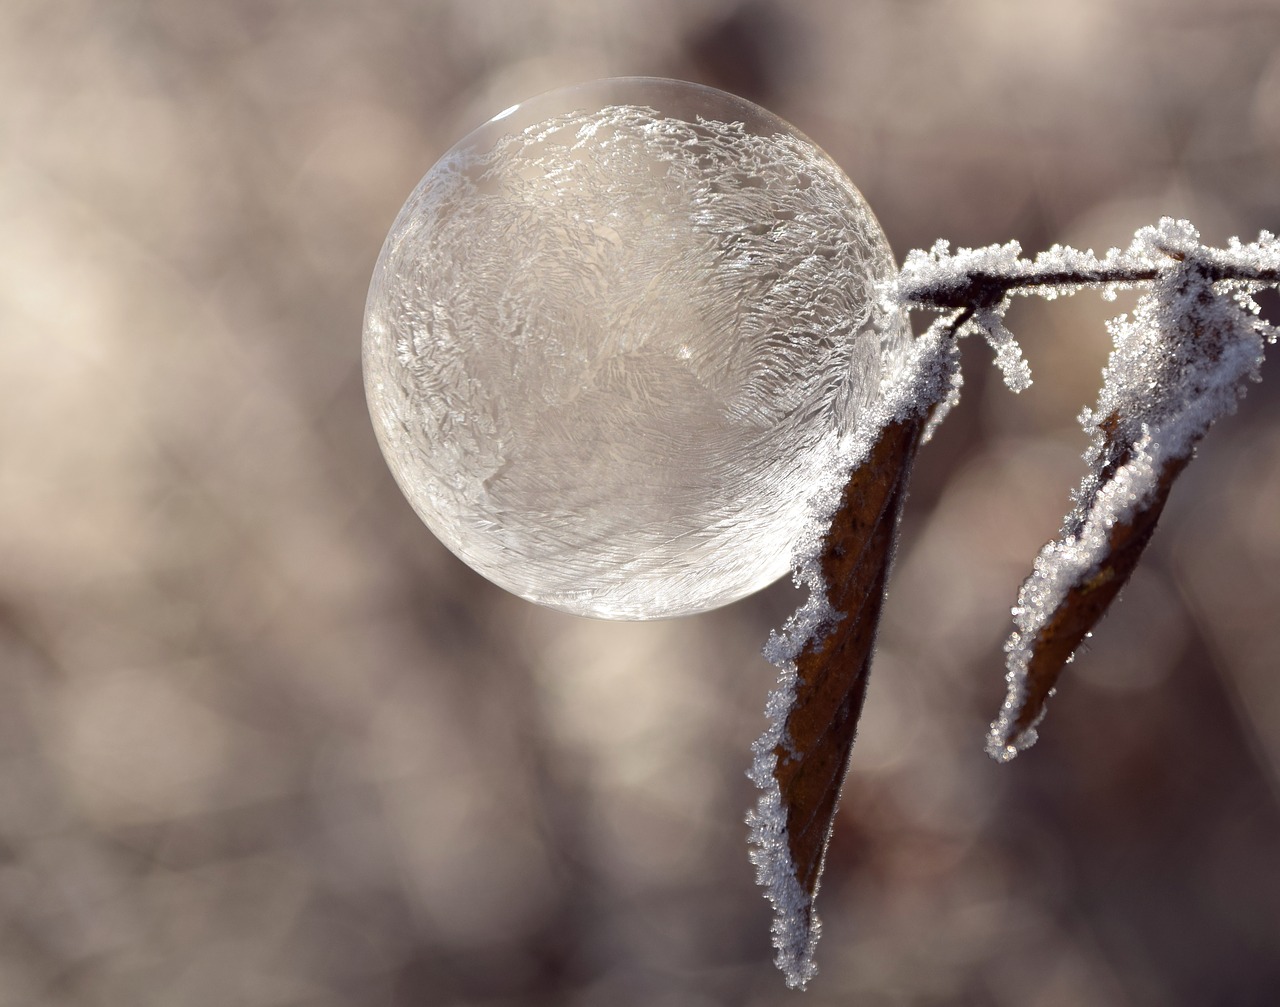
(611, 358)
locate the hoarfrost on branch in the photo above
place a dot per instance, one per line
(1182, 361)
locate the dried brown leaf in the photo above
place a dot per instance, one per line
(1091, 594)
(818, 732)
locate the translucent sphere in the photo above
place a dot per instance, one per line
(618, 336)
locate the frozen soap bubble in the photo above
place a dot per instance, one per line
(616, 339)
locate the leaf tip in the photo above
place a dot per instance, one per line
(796, 928)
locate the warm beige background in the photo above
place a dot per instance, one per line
(264, 742)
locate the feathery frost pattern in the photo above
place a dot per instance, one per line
(611, 354)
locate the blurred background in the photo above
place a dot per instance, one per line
(263, 741)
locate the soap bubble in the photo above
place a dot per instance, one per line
(616, 339)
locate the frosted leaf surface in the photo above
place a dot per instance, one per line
(823, 652)
(618, 338)
(1179, 364)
